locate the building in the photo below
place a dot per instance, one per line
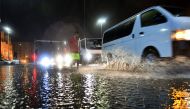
(6, 49)
(23, 51)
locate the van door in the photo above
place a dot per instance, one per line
(153, 30)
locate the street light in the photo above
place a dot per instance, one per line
(9, 31)
(100, 22)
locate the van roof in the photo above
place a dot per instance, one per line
(129, 18)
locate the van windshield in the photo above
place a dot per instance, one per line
(93, 43)
(177, 11)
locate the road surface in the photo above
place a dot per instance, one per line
(28, 86)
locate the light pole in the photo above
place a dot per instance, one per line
(84, 9)
(8, 30)
(100, 22)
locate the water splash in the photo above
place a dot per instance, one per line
(125, 64)
(125, 61)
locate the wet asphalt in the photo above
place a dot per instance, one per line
(29, 86)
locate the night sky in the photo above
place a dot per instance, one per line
(60, 19)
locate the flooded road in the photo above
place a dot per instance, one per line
(33, 87)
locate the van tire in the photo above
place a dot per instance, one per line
(150, 55)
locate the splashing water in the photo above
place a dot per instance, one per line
(126, 65)
(126, 61)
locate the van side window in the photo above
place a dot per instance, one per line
(109, 36)
(120, 31)
(152, 17)
(126, 28)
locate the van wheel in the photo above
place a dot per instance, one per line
(150, 56)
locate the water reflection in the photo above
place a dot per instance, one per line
(89, 87)
(32, 91)
(101, 94)
(180, 97)
(64, 91)
(60, 80)
(3, 76)
(8, 83)
(45, 90)
(32, 87)
(8, 90)
(60, 90)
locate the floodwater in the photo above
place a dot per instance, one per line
(33, 87)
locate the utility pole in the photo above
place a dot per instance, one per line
(84, 9)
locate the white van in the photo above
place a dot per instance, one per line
(90, 50)
(155, 32)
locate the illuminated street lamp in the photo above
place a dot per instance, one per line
(8, 30)
(100, 22)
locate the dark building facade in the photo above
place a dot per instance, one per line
(23, 51)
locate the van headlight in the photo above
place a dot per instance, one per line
(59, 61)
(52, 61)
(181, 35)
(88, 56)
(68, 60)
(45, 61)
